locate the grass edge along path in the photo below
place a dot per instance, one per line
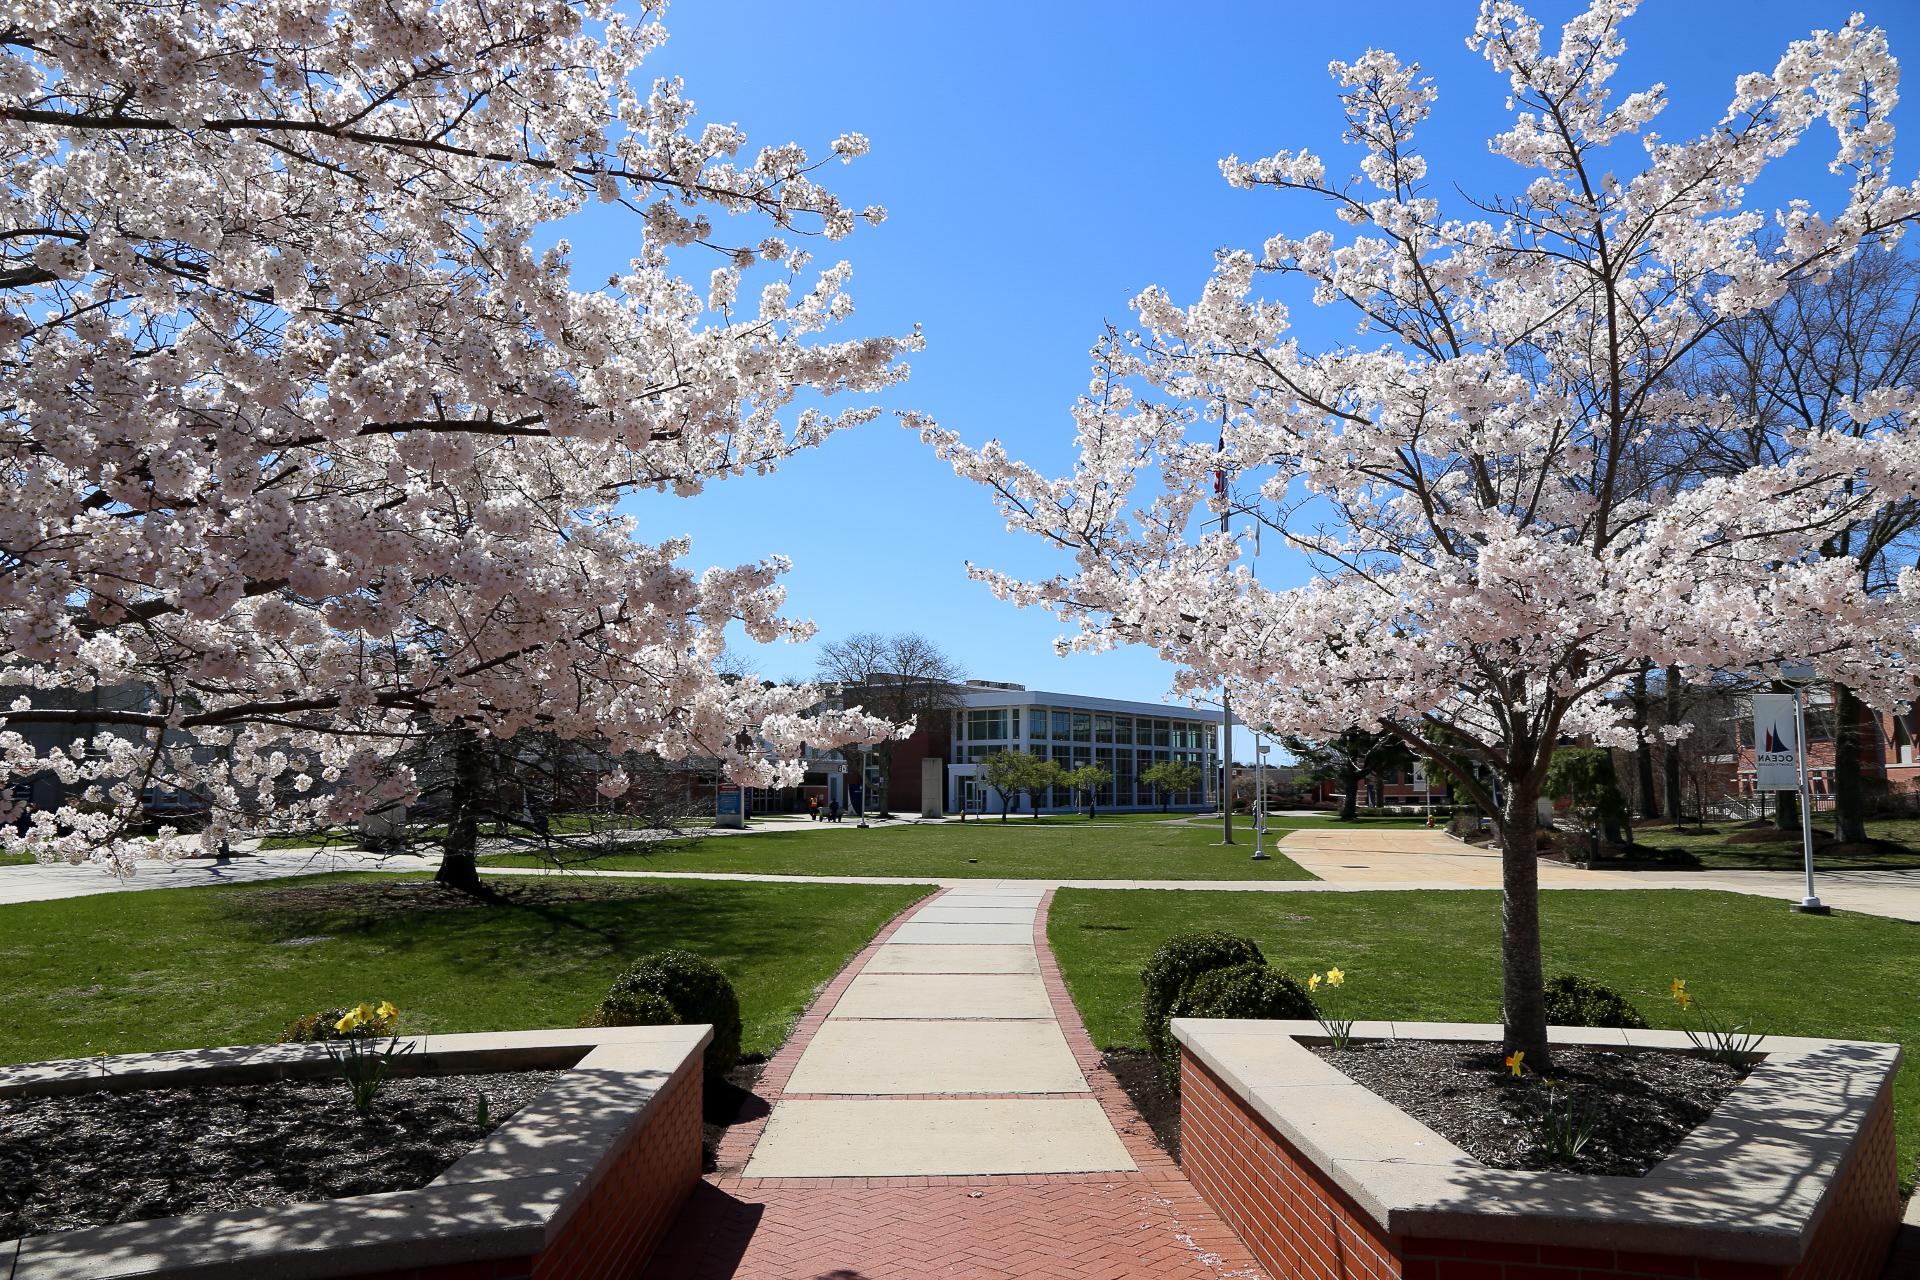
(1432, 955)
(199, 967)
(992, 850)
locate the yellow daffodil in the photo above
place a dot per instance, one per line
(352, 1019)
(1516, 1062)
(1335, 977)
(1680, 993)
(1313, 983)
(387, 1012)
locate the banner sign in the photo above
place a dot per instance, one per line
(1776, 743)
(729, 809)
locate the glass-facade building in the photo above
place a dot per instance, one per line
(1124, 738)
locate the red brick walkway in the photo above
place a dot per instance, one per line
(1149, 1225)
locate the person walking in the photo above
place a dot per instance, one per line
(813, 808)
(833, 811)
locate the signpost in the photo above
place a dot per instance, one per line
(1780, 764)
(1260, 805)
(730, 807)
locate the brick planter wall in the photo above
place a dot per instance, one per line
(1304, 1226)
(582, 1183)
(613, 1232)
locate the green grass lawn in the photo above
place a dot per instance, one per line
(1084, 850)
(15, 859)
(174, 968)
(1434, 955)
(1719, 850)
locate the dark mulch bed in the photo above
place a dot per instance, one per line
(725, 1103)
(1642, 1104)
(1138, 1073)
(89, 1159)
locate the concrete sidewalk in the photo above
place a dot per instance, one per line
(940, 1110)
(1384, 858)
(1377, 860)
(45, 882)
(942, 1057)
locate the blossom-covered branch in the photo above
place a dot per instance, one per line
(310, 446)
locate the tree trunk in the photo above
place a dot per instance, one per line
(1523, 998)
(1849, 794)
(1649, 802)
(1349, 803)
(1675, 809)
(459, 857)
(1786, 811)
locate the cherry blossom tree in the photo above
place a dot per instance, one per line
(312, 440)
(1478, 481)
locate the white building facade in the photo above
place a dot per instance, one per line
(1124, 738)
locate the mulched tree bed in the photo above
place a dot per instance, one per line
(89, 1159)
(1641, 1105)
(725, 1102)
(1138, 1073)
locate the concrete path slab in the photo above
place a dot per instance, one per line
(914, 932)
(855, 1057)
(941, 958)
(900, 1137)
(974, 915)
(971, 901)
(1024, 890)
(945, 995)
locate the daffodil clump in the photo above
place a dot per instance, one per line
(1339, 1031)
(1565, 1125)
(1714, 1038)
(365, 1063)
(365, 1020)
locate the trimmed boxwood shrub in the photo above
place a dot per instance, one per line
(1250, 990)
(1180, 960)
(697, 991)
(633, 1009)
(1574, 1001)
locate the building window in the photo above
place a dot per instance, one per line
(1082, 727)
(990, 724)
(1160, 738)
(1123, 729)
(1103, 728)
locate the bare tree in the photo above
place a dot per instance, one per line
(904, 676)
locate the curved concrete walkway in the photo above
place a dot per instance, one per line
(940, 1110)
(1370, 859)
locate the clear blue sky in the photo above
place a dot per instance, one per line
(1041, 163)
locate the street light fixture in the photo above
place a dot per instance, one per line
(1799, 675)
(1260, 803)
(864, 774)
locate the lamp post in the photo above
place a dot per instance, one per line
(863, 783)
(1260, 802)
(1799, 676)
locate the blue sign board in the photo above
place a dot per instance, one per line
(728, 807)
